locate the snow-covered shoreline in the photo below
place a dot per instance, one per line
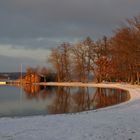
(120, 122)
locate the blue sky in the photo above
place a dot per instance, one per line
(30, 28)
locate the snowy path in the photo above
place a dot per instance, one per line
(120, 122)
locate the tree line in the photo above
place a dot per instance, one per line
(115, 58)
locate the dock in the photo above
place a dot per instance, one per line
(2, 83)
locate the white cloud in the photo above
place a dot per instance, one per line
(36, 54)
(10, 59)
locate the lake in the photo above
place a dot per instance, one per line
(32, 100)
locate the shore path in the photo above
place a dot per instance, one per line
(119, 122)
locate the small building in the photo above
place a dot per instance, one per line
(37, 78)
(32, 78)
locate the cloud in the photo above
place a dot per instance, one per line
(30, 43)
(42, 24)
(38, 55)
(10, 58)
(12, 64)
(58, 18)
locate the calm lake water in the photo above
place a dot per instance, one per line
(39, 100)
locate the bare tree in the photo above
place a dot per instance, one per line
(79, 61)
(60, 59)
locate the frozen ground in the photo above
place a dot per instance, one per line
(120, 122)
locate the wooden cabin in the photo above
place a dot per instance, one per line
(32, 78)
(37, 78)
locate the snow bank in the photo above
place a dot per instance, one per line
(119, 122)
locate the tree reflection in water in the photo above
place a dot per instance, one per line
(37, 91)
(70, 99)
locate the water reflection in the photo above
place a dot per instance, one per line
(70, 99)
